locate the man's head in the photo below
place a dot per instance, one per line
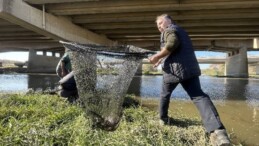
(163, 21)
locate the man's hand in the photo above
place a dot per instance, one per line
(155, 60)
(159, 62)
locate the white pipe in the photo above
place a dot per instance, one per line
(43, 17)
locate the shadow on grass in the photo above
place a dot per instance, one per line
(130, 101)
(183, 122)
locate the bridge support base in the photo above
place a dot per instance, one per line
(236, 64)
(42, 63)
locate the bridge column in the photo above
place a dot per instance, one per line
(139, 70)
(41, 63)
(256, 43)
(257, 69)
(236, 64)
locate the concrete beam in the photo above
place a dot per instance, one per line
(211, 60)
(227, 44)
(21, 34)
(10, 46)
(210, 30)
(133, 37)
(55, 1)
(145, 6)
(219, 45)
(139, 18)
(184, 24)
(7, 29)
(20, 13)
(235, 43)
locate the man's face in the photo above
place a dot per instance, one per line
(162, 24)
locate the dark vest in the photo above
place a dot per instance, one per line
(181, 64)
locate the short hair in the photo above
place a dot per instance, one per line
(168, 17)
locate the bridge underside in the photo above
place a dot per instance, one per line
(215, 25)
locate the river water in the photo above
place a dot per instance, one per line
(237, 100)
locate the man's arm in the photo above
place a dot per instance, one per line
(157, 58)
(63, 63)
(63, 69)
(171, 44)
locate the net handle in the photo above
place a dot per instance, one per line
(69, 46)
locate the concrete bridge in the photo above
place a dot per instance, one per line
(37, 25)
(211, 60)
(215, 60)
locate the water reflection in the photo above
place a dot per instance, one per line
(216, 88)
(239, 118)
(236, 88)
(145, 86)
(36, 81)
(220, 89)
(21, 82)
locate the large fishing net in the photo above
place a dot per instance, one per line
(103, 75)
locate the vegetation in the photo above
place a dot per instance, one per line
(148, 69)
(219, 70)
(107, 71)
(10, 63)
(50, 120)
(215, 70)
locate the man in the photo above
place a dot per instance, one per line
(180, 65)
(67, 82)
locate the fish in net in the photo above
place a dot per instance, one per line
(103, 75)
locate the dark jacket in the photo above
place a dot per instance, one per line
(181, 64)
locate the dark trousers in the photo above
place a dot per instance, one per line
(207, 110)
(69, 89)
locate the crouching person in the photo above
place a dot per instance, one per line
(67, 83)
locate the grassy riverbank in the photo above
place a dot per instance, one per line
(51, 120)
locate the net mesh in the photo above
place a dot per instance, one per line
(103, 78)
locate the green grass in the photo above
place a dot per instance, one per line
(50, 120)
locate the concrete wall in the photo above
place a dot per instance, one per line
(257, 69)
(42, 63)
(236, 64)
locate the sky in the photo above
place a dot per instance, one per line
(23, 56)
(17, 56)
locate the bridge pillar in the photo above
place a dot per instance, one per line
(139, 70)
(257, 69)
(256, 43)
(236, 64)
(41, 63)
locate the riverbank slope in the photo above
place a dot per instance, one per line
(50, 120)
